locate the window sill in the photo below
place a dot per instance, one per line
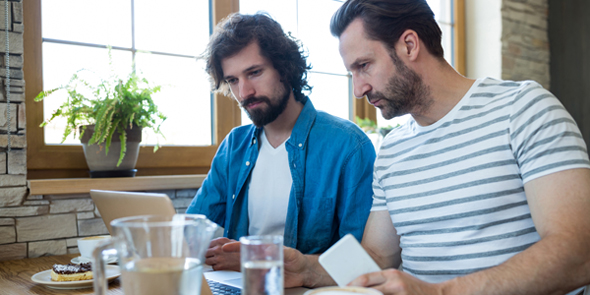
(138, 183)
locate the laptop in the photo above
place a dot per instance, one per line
(116, 204)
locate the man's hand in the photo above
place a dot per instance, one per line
(304, 270)
(223, 254)
(393, 281)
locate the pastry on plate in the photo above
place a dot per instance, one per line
(71, 272)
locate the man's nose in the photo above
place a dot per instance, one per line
(360, 87)
(246, 90)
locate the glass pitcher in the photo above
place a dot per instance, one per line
(157, 254)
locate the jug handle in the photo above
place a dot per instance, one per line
(99, 264)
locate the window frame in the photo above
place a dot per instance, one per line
(67, 161)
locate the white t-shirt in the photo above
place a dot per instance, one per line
(455, 189)
(270, 187)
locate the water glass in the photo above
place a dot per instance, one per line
(262, 265)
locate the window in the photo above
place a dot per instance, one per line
(163, 41)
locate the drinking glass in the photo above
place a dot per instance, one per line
(262, 265)
(157, 254)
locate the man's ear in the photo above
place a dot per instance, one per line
(410, 45)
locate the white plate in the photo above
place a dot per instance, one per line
(44, 277)
(80, 259)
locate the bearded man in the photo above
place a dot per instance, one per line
(295, 171)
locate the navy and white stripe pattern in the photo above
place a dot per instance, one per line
(455, 189)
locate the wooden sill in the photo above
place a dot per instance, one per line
(138, 183)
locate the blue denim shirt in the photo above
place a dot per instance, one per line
(331, 162)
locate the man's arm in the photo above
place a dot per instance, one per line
(380, 240)
(558, 263)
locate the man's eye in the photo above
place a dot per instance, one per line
(364, 66)
(231, 81)
(255, 73)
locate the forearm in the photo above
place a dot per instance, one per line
(555, 265)
(315, 275)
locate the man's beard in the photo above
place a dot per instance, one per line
(405, 92)
(261, 116)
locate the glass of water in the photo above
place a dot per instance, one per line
(262, 265)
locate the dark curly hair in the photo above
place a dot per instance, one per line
(237, 31)
(386, 21)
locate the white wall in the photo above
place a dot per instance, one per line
(483, 29)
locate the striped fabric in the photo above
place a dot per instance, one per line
(454, 189)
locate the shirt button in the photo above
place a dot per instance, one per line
(254, 141)
(247, 163)
(233, 196)
(300, 145)
(294, 165)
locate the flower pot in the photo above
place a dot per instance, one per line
(102, 164)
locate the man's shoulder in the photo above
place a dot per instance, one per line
(494, 86)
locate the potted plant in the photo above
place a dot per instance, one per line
(109, 116)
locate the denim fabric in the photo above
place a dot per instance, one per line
(331, 162)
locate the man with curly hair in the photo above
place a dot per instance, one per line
(295, 171)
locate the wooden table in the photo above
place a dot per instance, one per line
(15, 277)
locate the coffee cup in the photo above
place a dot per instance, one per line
(87, 245)
(343, 291)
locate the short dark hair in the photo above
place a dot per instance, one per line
(237, 31)
(386, 20)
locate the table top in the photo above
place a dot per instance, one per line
(15, 277)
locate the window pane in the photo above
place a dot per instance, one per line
(447, 42)
(185, 98)
(314, 32)
(173, 26)
(330, 94)
(442, 10)
(106, 22)
(60, 62)
(283, 11)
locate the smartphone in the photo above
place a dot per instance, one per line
(346, 260)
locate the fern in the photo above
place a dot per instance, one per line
(114, 105)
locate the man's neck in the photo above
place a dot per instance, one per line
(447, 88)
(280, 129)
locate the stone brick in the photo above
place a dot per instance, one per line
(3, 14)
(72, 242)
(7, 221)
(85, 215)
(17, 162)
(16, 89)
(91, 227)
(24, 211)
(170, 193)
(36, 202)
(96, 212)
(186, 193)
(181, 203)
(73, 250)
(12, 196)
(16, 61)
(18, 28)
(35, 197)
(16, 141)
(13, 251)
(22, 117)
(13, 180)
(17, 12)
(4, 117)
(70, 196)
(46, 227)
(2, 163)
(16, 45)
(47, 248)
(7, 234)
(73, 205)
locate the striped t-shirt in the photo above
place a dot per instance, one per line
(455, 189)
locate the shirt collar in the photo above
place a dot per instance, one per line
(300, 131)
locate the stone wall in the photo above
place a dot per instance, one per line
(525, 42)
(13, 166)
(51, 224)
